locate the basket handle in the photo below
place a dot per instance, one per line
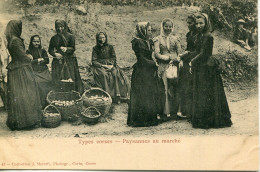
(50, 105)
(97, 88)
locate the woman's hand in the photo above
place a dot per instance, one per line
(40, 60)
(58, 56)
(63, 49)
(190, 64)
(181, 64)
(184, 54)
(30, 56)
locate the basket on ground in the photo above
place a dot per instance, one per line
(68, 103)
(98, 98)
(51, 117)
(90, 115)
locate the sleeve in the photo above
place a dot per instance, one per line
(205, 50)
(178, 46)
(178, 49)
(19, 51)
(157, 53)
(45, 57)
(94, 58)
(139, 52)
(52, 47)
(71, 45)
(113, 54)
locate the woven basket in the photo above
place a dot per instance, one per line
(90, 115)
(102, 106)
(69, 111)
(51, 117)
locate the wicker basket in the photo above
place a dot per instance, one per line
(51, 117)
(102, 106)
(71, 105)
(90, 115)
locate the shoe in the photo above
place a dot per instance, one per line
(180, 115)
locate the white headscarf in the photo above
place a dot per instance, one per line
(162, 33)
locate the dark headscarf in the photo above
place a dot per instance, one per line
(207, 28)
(97, 36)
(193, 18)
(141, 30)
(31, 44)
(64, 24)
(13, 28)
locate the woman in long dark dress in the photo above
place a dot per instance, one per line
(209, 107)
(185, 76)
(40, 68)
(107, 74)
(146, 88)
(64, 64)
(23, 99)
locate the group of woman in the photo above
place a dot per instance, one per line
(29, 78)
(194, 92)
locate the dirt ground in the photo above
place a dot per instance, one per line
(243, 106)
(119, 25)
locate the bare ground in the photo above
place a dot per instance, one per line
(243, 106)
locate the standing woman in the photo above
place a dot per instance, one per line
(185, 77)
(107, 74)
(40, 68)
(145, 102)
(209, 107)
(23, 99)
(64, 64)
(167, 49)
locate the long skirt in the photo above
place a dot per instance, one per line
(43, 78)
(23, 99)
(64, 71)
(185, 90)
(146, 98)
(171, 91)
(113, 81)
(209, 107)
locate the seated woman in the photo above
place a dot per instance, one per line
(241, 35)
(40, 68)
(167, 49)
(107, 74)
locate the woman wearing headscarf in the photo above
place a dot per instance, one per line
(23, 99)
(64, 64)
(167, 49)
(209, 106)
(146, 89)
(185, 77)
(40, 68)
(107, 74)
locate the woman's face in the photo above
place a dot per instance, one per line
(200, 24)
(149, 31)
(101, 38)
(167, 27)
(190, 23)
(36, 42)
(60, 28)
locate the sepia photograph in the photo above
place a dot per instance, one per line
(129, 84)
